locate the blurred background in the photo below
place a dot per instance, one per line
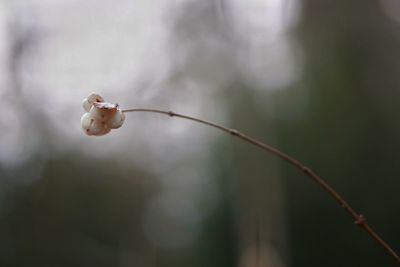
(318, 79)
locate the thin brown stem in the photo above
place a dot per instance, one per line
(359, 219)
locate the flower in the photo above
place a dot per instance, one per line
(100, 116)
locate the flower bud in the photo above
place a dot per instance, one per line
(100, 117)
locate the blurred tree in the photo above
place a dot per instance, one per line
(348, 132)
(258, 195)
(80, 216)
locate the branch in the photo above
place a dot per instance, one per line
(359, 219)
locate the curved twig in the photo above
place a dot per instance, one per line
(359, 219)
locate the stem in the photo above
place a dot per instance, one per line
(359, 219)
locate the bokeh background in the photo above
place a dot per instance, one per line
(318, 79)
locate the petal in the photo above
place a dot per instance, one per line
(106, 130)
(117, 120)
(105, 105)
(86, 121)
(98, 128)
(101, 114)
(92, 126)
(90, 100)
(94, 98)
(86, 105)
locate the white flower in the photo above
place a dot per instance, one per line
(100, 116)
